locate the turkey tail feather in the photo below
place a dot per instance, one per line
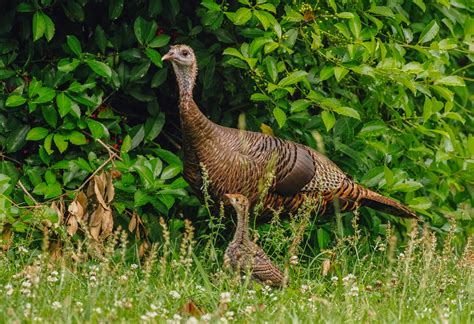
(376, 201)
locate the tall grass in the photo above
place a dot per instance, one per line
(180, 281)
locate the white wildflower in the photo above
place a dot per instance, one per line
(98, 310)
(230, 315)
(354, 291)
(304, 288)
(250, 309)
(334, 278)
(206, 317)
(151, 314)
(22, 249)
(192, 320)
(56, 305)
(175, 294)
(26, 284)
(134, 266)
(350, 277)
(225, 297)
(294, 260)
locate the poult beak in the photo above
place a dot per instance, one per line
(168, 56)
(226, 199)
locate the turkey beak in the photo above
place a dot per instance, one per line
(168, 56)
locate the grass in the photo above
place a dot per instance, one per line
(181, 281)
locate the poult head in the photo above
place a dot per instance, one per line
(238, 201)
(181, 55)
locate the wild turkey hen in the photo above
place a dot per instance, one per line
(243, 254)
(238, 161)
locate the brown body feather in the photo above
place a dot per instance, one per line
(239, 161)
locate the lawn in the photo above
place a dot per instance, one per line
(181, 281)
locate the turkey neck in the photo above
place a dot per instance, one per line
(193, 120)
(242, 230)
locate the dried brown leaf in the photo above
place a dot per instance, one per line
(72, 225)
(107, 223)
(81, 198)
(55, 250)
(191, 309)
(326, 266)
(142, 249)
(58, 211)
(110, 188)
(6, 236)
(133, 223)
(96, 222)
(99, 191)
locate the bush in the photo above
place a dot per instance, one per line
(378, 87)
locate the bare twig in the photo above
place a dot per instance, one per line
(20, 184)
(109, 149)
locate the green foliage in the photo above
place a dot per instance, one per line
(381, 88)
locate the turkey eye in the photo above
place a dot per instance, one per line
(185, 53)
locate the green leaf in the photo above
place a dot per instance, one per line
(100, 38)
(355, 26)
(39, 25)
(451, 80)
(421, 4)
(138, 137)
(153, 126)
(100, 68)
(98, 130)
(37, 133)
(280, 116)
(347, 111)
(242, 15)
(154, 56)
(233, 52)
(64, 104)
(407, 186)
(15, 101)
(328, 119)
(326, 72)
(427, 109)
(144, 30)
(50, 115)
(140, 198)
(66, 65)
(271, 67)
(115, 9)
(44, 95)
(60, 142)
(300, 105)
(340, 72)
(77, 138)
(160, 41)
(126, 144)
(429, 32)
(292, 78)
(259, 97)
(382, 11)
(345, 15)
(74, 44)
(47, 144)
(170, 172)
(6, 73)
(49, 28)
(17, 138)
